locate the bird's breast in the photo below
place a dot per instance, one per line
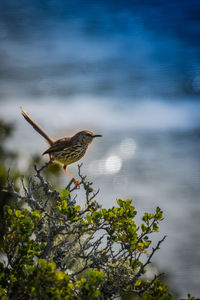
(70, 155)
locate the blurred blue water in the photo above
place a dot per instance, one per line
(131, 71)
(131, 49)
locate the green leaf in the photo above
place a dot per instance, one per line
(138, 283)
(120, 202)
(64, 194)
(78, 207)
(89, 218)
(18, 213)
(36, 214)
(155, 227)
(10, 211)
(143, 227)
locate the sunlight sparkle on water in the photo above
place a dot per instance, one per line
(113, 164)
(113, 160)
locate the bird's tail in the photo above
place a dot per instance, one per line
(36, 126)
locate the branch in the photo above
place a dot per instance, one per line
(141, 270)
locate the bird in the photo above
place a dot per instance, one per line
(66, 150)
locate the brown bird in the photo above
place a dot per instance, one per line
(66, 150)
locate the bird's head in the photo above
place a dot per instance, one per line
(85, 136)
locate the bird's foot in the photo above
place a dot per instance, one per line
(50, 163)
(77, 183)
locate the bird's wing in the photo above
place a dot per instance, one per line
(59, 145)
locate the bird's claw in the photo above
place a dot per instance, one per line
(77, 183)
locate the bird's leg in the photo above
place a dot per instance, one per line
(50, 160)
(50, 163)
(76, 182)
(65, 169)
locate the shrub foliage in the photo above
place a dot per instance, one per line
(55, 248)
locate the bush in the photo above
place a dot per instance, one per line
(54, 248)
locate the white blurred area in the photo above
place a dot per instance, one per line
(112, 161)
(65, 116)
(102, 113)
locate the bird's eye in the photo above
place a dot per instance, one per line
(88, 134)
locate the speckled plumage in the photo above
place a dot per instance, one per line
(70, 150)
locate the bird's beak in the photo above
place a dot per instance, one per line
(97, 135)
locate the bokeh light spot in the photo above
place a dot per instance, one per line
(113, 164)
